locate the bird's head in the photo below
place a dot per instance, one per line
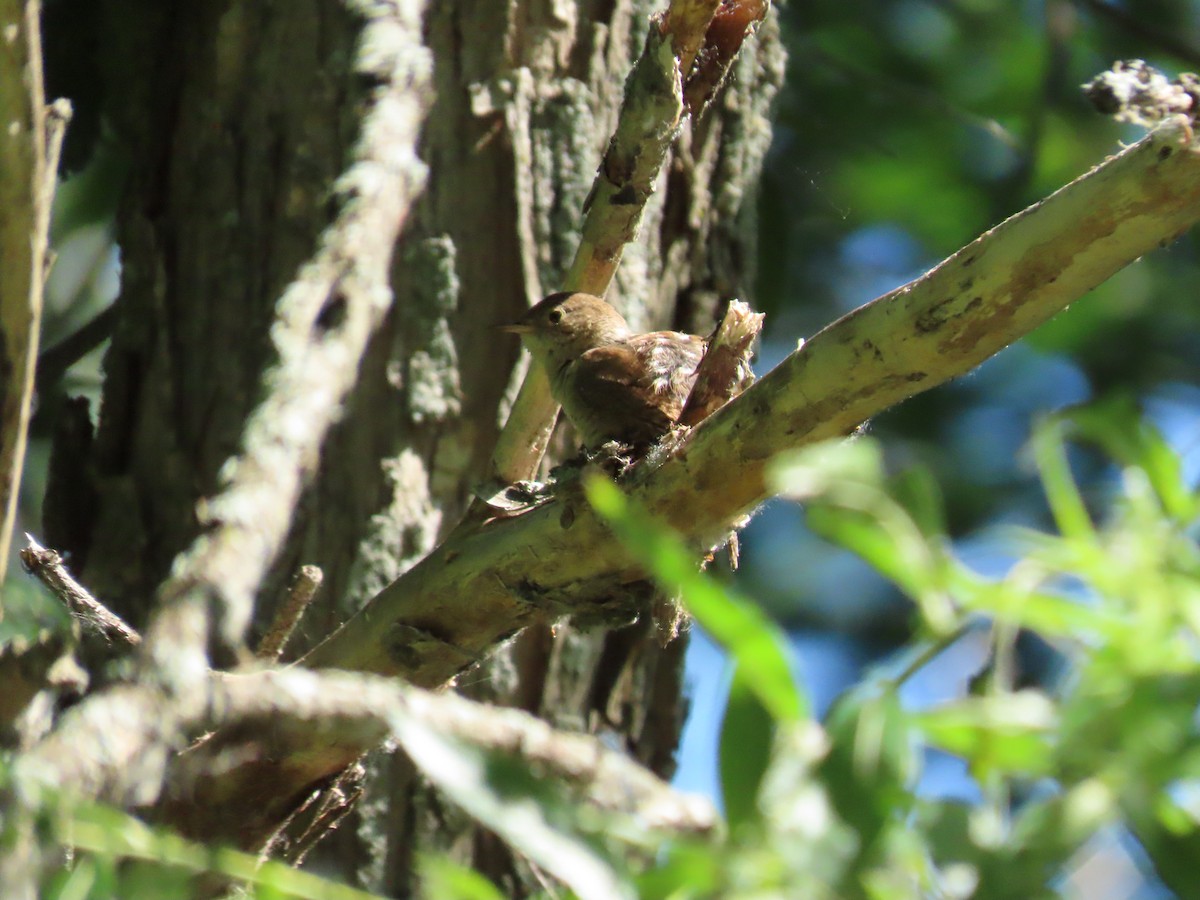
(565, 325)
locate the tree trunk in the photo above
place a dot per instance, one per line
(238, 119)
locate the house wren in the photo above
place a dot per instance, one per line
(613, 385)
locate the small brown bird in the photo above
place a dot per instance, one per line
(613, 385)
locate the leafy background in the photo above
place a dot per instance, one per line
(906, 129)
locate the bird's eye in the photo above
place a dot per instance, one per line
(554, 316)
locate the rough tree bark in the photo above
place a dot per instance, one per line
(239, 118)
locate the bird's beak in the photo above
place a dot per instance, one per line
(516, 328)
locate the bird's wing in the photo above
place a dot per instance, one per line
(640, 384)
(670, 359)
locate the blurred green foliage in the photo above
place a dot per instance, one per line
(835, 807)
(837, 810)
(114, 855)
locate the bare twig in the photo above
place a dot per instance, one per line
(53, 362)
(649, 120)
(318, 815)
(29, 152)
(333, 805)
(57, 118)
(47, 567)
(301, 591)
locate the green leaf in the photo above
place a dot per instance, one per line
(688, 870)
(868, 535)
(872, 763)
(1117, 425)
(75, 883)
(1053, 827)
(109, 833)
(1067, 506)
(817, 470)
(849, 502)
(745, 753)
(1005, 732)
(1049, 614)
(530, 814)
(917, 491)
(444, 879)
(947, 829)
(757, 645)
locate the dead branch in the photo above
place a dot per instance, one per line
(725, 370)
(47, 567)
(301, 591)
(299, 700)
(734, 21)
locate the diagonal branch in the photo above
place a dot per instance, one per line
(479, 588)
(47, 566)
(475, 590)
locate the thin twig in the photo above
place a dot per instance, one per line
(53, 362)
(58, 116)
(303, 588)
(33, 148)
(334, 804)
(47, 567)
